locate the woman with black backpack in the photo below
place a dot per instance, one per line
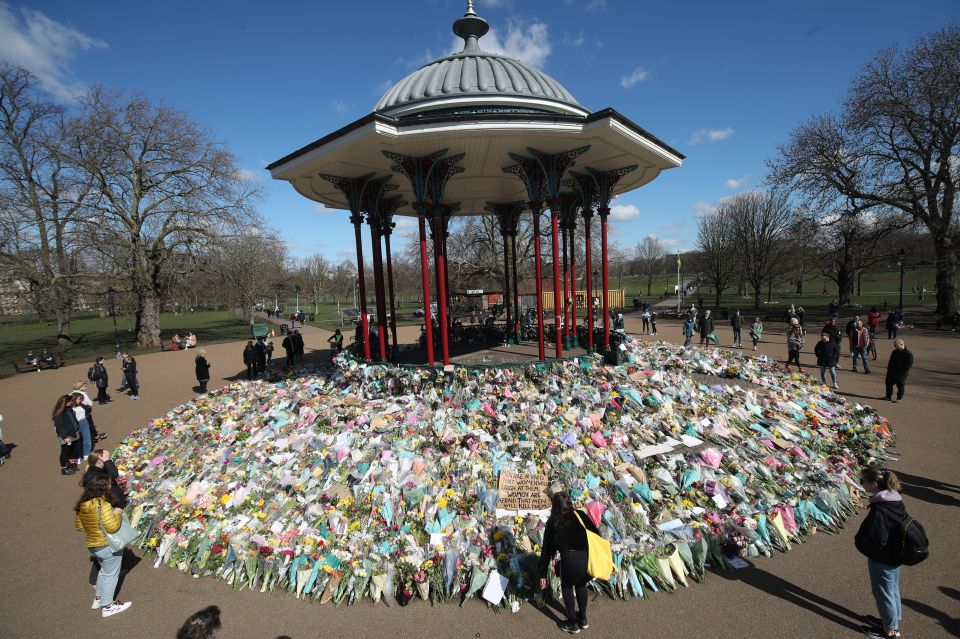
(882, 539)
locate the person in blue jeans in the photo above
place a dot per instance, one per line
(689, 328)
(877, 539)
(97, 514)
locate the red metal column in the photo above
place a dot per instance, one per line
(393, 305)
(571, 229)
(535, 207)
(589, 277)
(440, 258)
(378, 290)
(557, 302)
(425, 272)
(506, 285)
(516, 289)
(357, 219)
(604, 212)
(566, 289)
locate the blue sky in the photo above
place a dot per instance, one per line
(724, 83)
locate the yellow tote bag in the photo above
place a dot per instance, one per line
(599, 557)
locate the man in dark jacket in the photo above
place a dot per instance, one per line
(250, 358)
(260, 355)
(298, 346)
(901, 361)
(736, 323)
(705, 327)
(828, 356)
(101, 379)
(290, 348)
(833, 330)
(202, 369)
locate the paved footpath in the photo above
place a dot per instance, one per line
(819, 589)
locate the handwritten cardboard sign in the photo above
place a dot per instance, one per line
(519, 491)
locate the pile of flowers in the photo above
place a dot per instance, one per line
(378, 481)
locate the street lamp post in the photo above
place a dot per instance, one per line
(113, 314)
(902, 254)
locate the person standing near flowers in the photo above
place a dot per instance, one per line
(706, 328)
(202, 369)
(97, 514)
(689, 328)
(901, 361)
(736, 323)
(566, 535)
(129, 368)
(828, 356)
(794, 343)
(877, 539)
(99, 464)
(101, 378)
(756, 331)
(68, 432)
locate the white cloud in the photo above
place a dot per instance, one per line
(490, 3)
(669, 242)
(637, 76)
(247, 175)
(340, 107)
(704, 209)
(527, 42)
(404, 222)
(382, 87)
(710, 135)
(736, 183)
(624, 212)
(44, 47)
(596, 5)
(574, 41)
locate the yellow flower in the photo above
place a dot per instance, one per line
(449, 492)
(442, 502)
(225, 500)
(261, 515)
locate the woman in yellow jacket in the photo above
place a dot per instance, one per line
(96, 514)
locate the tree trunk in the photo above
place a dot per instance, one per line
(148, 320)
(799, 286)
(63, 326)
(946, 274)
(716, 303)
(845, 282)
(756, 296)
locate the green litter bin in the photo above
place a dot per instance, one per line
(259, 330)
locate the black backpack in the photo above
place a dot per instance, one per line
(90, 374)
(914, 546)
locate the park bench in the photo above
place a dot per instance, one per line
(22, 367)
(56, 362)
(166, 345)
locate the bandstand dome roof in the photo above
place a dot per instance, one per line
(476, 81)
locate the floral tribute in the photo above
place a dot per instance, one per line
(381, 482)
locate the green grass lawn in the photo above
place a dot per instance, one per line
(93, 336)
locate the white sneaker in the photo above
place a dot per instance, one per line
(115, 608)
(96, 605)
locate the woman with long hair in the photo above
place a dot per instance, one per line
(879, 539)
(99, 464)
(68, 432)
(96, 516)
(565, 533)
(204, 624)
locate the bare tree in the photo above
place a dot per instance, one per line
(314, 274)
(39, 199)
(894, 144)
(648, 256)
(717, 258)
(760, 221)
(246, 266)
(161, 186)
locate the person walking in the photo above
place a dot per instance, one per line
(894, 319)
(97, 515)
(736, 323)
(879, 540)
(336, 342)
(689, 328)
(101, 378)
(794, 343)
(268, 342)
(250, 359)
(706, 328)
(565, 533)
(129, 367)
(202, 368)
(859, 342)
(901, 361)
(645, 318)
(80, 415)
(653, 321)
(756, 331)
(298, 346)
(68, 432)
(833, 329)
(828, 356)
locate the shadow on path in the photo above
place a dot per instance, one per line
(926, 490)
(792, 593)
(948, 623)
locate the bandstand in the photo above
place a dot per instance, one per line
(479, 133)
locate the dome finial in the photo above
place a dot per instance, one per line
(471, 28)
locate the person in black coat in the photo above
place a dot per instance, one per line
(901, 361)
(879, 540)
(833, 329)
(566, 535)
(298, 346)
(68, 432)
(828, 356)
(705, 328)
(202, 369)
(129, 367)
(289, 348)
(260, 355)
(99, 464)
(101, 378)
(250, 359)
